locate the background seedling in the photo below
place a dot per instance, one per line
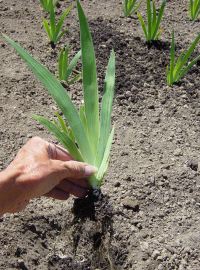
(130, 6)
(151, 28)
(66, 68)
(46, 4)
(90, 136)
(194, 9)
(178, 68)
(53, 29)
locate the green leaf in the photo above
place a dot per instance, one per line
(188, 67)
(177, 66)
(47, 28)
(181, 67)
(62, 137)
(73, 64)
(61, 22)
(194, 8)
(172, 58)
(149, 19)
(61, 97)
(154, 18)
(104, 165)
(106, 108)
(125, 8)
(90, 85)
(159, 18)
(62, 123)
(63, 61)
(52, 21)
(143, 25)
(190, 51)
(60, 35)
(129, 6)
(83, 118)
(74, 79)
(60, 64)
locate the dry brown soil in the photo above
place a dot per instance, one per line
(149, 217)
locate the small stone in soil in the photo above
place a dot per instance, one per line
(131, 204)
(192, 164)
(178, 152)
(117, 184)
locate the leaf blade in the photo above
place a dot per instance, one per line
(61, 97)
(63, 138)
(91, 98)
(106, 107)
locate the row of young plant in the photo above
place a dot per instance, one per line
(132, 6)
(179, 66)
(151, 28)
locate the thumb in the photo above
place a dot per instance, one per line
(74, 169)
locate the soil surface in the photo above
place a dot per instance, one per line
(149, 214)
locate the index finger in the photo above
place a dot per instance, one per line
(56, 152)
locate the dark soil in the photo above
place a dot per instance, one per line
(149, 214)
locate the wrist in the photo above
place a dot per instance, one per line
(7, 184)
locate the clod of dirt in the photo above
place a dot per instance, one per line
(131, 204)
(192, 164)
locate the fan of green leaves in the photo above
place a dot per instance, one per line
(67, 71)
(178, 68)
(87, 134)
(130, 6)
(151, 28)
(46, 4)
(53, 28)
(194, 8)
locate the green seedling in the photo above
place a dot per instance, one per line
(151, 28)
(178, 68)
(194, 9)
(53, 28)
(130, 6)
(46, 4)
(67, 71)
(86, 133)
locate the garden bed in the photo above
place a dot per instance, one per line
(149, 214)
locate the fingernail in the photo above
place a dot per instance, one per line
(89, 170)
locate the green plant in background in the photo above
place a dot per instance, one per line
(54, 29)
(66, 68)
(130, 6)
(194, 9)
(46, 4)
(152, 28)
(87, 134)
(178, 68)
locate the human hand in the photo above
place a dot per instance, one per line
(41, 169)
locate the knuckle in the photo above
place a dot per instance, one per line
(36, 139)
(52, 151)
(81, 170)
(77, 169)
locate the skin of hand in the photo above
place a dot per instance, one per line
(41, 169)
